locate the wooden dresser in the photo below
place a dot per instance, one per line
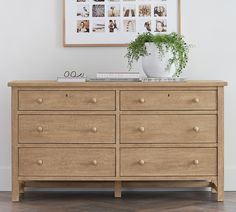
(117, 135)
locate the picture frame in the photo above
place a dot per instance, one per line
(87, 23)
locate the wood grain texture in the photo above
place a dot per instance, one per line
(168, 100)
(67, 129)
(130, 179)
(66, 162)
(168, 161)
(80, 134)
(117, 189)
(220, 161)
(57, 85)
(14, 154)
(168, 129)
(66, 100)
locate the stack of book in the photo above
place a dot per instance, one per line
(118, 76)
(71, 79)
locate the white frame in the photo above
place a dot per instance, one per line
(71, 37)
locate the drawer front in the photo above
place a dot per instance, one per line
(66, 162)
(168, 100)
(168, 162)
(67, 129)
(67, 100)
(168, 129)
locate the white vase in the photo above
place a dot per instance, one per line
(155, 65)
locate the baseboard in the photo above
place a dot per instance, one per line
(230, 176)
(5, 179)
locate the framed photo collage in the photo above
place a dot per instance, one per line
(117, 22)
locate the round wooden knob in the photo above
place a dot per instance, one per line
(94, 162)
(40, 100)
(94, 100)
(40, 129)
(196, 162)
(40, 162)
(94, 129)
(142, 100)
(196, 129)
(141, 129)
(141, 162)
(196, 100)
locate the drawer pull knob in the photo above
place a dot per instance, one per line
(141, 129)
(40, 129)
(40, 162)
(196, 129)
(196, 162)
(94, 129)
(94, 100)
(141, 162)
(196, 100)
(142, 100)
(94, 162)
(40, 100)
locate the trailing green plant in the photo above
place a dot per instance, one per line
(165, 42)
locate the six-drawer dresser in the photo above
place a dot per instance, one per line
(95, 134)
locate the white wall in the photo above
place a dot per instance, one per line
(31, 48)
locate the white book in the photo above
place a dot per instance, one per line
(71, 79)
(120, 75)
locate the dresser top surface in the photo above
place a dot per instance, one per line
(54, 83)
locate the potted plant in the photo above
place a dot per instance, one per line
(163, 55)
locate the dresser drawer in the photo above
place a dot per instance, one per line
(66, 100)
(168, 129)
(67, 129)
(149, 162)
(168, 100)
(66, 162)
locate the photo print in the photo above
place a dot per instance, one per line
(129, 25)
(114, 25)
(161, 25)
(160, 11)
(98, 10)
(144, 26)
(98, 26)
(83, 26)
(129, 10)
(83, 10)
(113, 10)
(144, 10)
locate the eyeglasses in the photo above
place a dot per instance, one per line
(73, 74)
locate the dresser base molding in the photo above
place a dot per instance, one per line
(118, 185)
(117, 135)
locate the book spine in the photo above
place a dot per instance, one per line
(131, 76)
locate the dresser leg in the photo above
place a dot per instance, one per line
(220, 194)
(15, 195)
(117, 192)
(22, 187)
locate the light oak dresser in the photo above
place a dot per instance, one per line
(117, 135)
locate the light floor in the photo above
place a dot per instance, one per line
(104, 202)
